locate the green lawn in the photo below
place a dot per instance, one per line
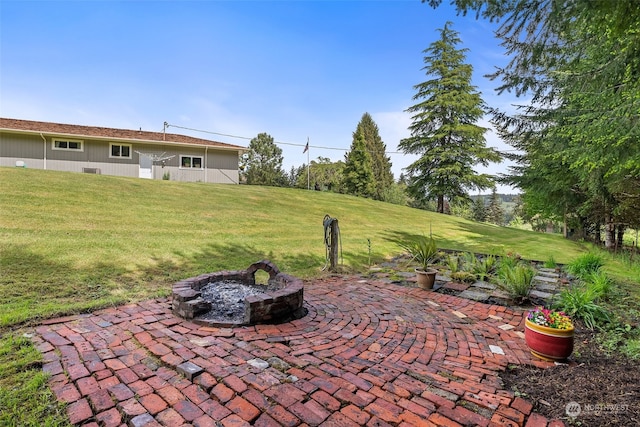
(73, 242)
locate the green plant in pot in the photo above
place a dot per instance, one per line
(424, 252)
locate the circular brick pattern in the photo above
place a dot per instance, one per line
(367, 353)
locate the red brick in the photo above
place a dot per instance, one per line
(170, 394)
(441, 420)
(234, 420)
(556, 423)
(257, 399)
(108, 382)
(131, 408)
(77, 371)
(285, 394)
(102, 374)
(114, 364)
(79, 411)
(310, 412)
(355, 414)
(206, 381)
(536, 420)
(385, 410)
(169, 417)
(377, 422)
(67, 393)
(414, 420)
(266, 421)
(500, 420)
(153, 403)
(522, 405)
(195, 394)
(326, 400)
(203, 421)
(464, 416)
(235, 383)
(284, 417)
(222, 393)
(110, 418)
(188, 410)
(244, 409)
(337, 419)
(101, 400)
(126, 375)
(87, 385)
(214, 409)
(324, 384)
(157, 382)
(511, 413)
(140, 388)
(172, 360)
(121, 392)
(437, 399)
(142, 371)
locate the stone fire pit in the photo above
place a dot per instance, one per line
(232, 298)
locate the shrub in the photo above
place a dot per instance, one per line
(550, 262)
(463, 276)
(580, 302)
(422, 250)
(485, 267)
(517, 281)
(585, 264)
(453, 264)
(599, 282)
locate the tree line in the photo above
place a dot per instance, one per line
(577, 63)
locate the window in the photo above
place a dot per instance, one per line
(191, 162)
(67, 144)
(122, 151)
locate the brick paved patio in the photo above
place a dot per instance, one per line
(369, 353)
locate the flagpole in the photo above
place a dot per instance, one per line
(308, 174)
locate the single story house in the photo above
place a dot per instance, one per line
(121, 152)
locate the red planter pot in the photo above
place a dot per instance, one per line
(548, 343)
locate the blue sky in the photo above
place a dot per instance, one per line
(293, 69)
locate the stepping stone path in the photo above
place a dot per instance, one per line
(546, 284)
(369, 353)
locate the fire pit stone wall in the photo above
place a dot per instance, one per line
(266, 307)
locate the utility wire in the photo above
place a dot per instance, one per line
(287, 143)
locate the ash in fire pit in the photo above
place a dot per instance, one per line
(227, 299)
(231, 298)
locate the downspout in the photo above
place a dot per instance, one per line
(206, 171)
(44, 157)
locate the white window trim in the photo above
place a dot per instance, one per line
(54, 140)
(111, 156)
(192, 157)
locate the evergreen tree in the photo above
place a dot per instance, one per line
(380, 163)
(358, 178)
(264, 162)
(578, 62)
(495, 213)
(478, 210)
(444, 132)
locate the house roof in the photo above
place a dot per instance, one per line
(78, 131)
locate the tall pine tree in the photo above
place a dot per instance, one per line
(358, 171)
(264, 162)
(380, 163)
(444, 132)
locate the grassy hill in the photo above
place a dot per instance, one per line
(73, 242)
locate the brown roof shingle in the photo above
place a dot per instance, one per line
(102, 132)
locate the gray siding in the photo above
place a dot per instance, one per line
(222, 165)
